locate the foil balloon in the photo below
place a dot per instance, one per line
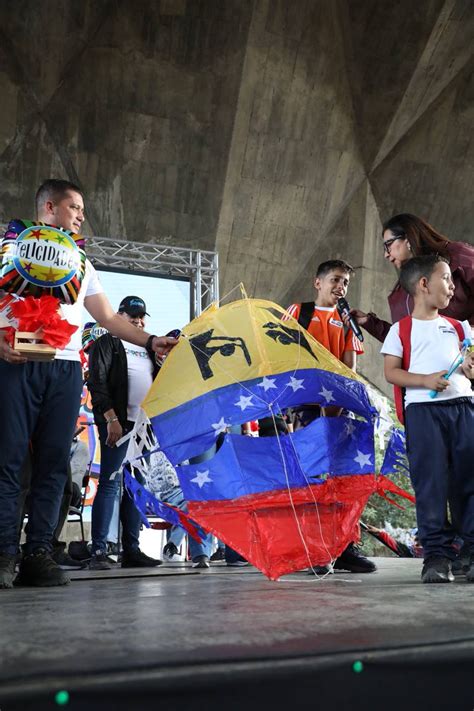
(39, 260)
(90, 333)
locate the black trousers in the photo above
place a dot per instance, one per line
(440, 448)
(40, 403)
(23, 500)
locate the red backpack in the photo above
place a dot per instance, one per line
(404, 327)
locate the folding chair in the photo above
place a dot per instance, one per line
(76, 514)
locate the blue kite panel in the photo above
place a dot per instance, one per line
(192, 428)
(245, 465)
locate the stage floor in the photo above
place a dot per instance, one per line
(176, 626)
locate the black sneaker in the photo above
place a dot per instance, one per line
(459, 567)
(39, 570)
(65, 562)
(462, 563)
(353, 561)
(218, 555)
(469, 572)
(99, 561)
(138, 559)
(78, 550)
(201, 561)
(7, 570)
(239, 563)
(113, 548)
(170, 550)
(321, 570)
(437, 570)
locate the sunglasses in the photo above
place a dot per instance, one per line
(388, 243)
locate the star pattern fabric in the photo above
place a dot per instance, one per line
(327, 395)
(220, 426)
(267, 384)
(295, 384)
(363, 459)
(244, 402)
(202, 478)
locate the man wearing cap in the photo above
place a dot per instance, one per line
(120, 375)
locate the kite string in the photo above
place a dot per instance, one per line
(237, 286)
(313, 497)
(270, 407)
(231, 377)
(302, 537)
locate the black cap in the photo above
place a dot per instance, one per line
(133, 306)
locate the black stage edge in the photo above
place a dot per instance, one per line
(230, 639)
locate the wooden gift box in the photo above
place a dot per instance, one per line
(29, 345)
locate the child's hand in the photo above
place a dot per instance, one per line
(468, 366)
(435, 381)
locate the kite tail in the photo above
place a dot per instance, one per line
(147, 503)
(384, 484)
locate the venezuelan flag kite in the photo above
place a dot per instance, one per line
(284, 502)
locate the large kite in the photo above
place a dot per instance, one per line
(285, 502)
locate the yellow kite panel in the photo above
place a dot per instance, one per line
(243, 340)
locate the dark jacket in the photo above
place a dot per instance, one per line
(108, 378)
(461, 306)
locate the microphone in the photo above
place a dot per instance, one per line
(343, 310)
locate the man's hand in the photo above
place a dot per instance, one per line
(8, 354)
(436, 381)
(114, 433)
(468, 365)
(162, 345)
(360, 316)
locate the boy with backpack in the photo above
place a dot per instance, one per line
(322, 320)
(439, 412)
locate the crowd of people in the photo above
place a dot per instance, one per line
(432, 307)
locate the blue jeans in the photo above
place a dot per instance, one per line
(176, 498)
(111, 459)
(40, 402)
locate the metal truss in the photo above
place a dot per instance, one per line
(200, 267)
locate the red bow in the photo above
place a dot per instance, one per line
(42, 316)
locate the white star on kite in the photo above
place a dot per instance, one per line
(220, 426)
(295, 384)
(202, 478)
(349, 428)
(267, 383)
(362, 459)
(244, 402)
(327, 394)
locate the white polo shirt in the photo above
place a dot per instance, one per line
(434, 347)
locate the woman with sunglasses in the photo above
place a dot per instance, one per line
(406, 236)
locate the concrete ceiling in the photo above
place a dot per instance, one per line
(279, 133)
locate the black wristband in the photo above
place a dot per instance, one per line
(149, 342)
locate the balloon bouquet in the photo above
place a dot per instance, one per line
(41, 267)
